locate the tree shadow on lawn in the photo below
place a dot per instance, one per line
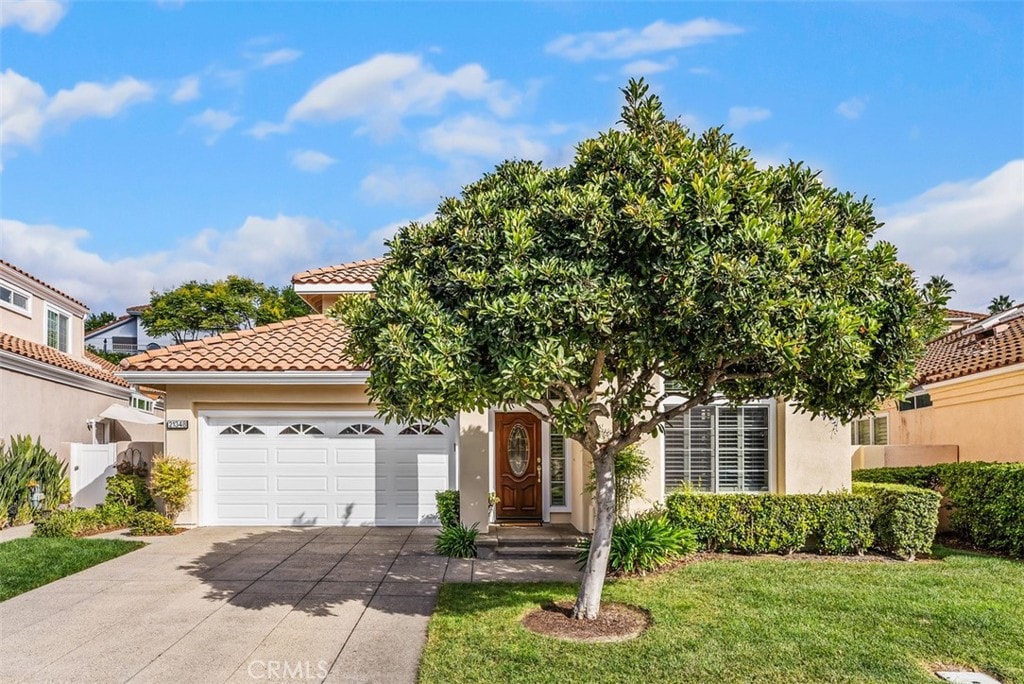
(317, 570)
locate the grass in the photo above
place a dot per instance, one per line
(32, 562)
(763, 619)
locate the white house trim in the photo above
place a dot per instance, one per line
(246, 377)
(332, 288)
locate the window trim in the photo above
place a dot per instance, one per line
(872, 441)
(773, 452)
(27, 311)
(566, 506)
(47, 310)
(141, 402)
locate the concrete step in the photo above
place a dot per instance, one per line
(537, 551)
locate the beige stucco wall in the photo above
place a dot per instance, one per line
(983, 417)
(57, 413)
(812, 454)
(185, 402)
(474, 468)
(900, 456)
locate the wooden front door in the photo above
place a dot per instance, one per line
(517, 452)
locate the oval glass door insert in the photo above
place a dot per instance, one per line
(518, 450)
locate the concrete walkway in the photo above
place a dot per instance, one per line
(222, 604)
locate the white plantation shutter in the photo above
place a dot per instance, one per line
(719, 449)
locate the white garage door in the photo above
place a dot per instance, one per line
(308, 470)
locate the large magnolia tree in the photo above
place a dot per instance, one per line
(656, 253)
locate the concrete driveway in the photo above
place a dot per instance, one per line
(235, 604)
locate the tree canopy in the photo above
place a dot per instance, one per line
(98, 320)
(196, 308)
(656, 254)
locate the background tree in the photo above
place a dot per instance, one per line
(1000, 303)
(98, 320)
(655, 254)
(193, 309)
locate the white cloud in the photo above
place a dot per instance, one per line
(402, 186)
(276, 57)
(626, 43)
(268, 249)
(486, 138)
(970, 231)
(644, 67)
(387, 87)
(215, 121)
(98, 100)
(187, 90)
(21, 109)
(852, 108)
(311, 161)
(34, 16)
(700, 71)
(744, 116)
(26, 110)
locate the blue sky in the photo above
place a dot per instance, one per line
(144, 144)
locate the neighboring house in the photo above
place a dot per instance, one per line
(125, 335)
(967, 403)
(50, 386)
(282, 433)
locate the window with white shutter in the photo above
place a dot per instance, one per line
(719, 449)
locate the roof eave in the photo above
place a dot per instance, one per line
(163, 378)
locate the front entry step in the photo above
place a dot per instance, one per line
(547, 541)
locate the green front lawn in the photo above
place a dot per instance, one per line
(32, 562)
(764, 619)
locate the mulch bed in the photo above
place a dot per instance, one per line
(615, 622)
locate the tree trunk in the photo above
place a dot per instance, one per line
(588, 601)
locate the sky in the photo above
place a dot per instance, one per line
(144, 144)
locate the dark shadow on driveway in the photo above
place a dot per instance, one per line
(317, 569)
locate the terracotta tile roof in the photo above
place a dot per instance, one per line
(994, 342)
(363, 272)
(95, 367)
(42, 282)
(310, 343)
(138, 308)
(972, 315)
(112, 324)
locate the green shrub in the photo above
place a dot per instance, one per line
(448, 507)
(644, 543)
(905, 517)
(631, 468)
(774, 523)
(987, 499)
(69, 523)
(150, 523)
(24, 462)
(457, 541)
(988, 504)
(116, 515)
(129, 490)
(172, 484)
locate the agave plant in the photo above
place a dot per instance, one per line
(24, 464)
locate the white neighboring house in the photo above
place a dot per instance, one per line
(125, 335)
(51, 388)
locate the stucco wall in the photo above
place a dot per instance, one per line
(983, 416)
(58, 413)
(812, 455)
(474, 468)
(33, 328)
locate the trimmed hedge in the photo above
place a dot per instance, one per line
(775, 523)
(905, 517)
(84, 521)
(987, 499)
